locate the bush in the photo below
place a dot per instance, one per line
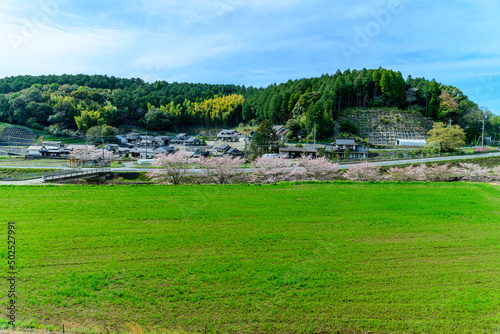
(348, 126)
(385, 120)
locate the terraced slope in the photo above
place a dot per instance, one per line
(16, 136)
(384, 127)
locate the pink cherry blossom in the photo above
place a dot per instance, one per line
(319, 169)
(221, 169)
(364, 171)
(173, 168)
(270, 170)
(474, 172)
(85, 153)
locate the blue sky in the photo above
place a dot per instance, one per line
(255, 42)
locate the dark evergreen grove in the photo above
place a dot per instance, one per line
(65, 104)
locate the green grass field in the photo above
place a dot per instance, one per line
(21, 162)
(318, 258)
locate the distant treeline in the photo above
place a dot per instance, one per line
(64, 104)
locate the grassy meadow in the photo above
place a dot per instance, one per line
(336, 257)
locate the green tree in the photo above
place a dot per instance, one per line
(155, 119)
(434, 103)
(448, 137)
(265, 139)
(293, 126)
(96, 133)
(433, 146)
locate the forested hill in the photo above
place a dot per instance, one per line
(68, 103)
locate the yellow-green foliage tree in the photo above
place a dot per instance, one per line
(224, 111)
(88, 119)
(449, 137)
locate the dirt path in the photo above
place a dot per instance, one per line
(24, 182)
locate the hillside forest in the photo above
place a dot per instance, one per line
(72, 104)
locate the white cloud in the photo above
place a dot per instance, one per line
(174, 51)
(197, 11)
(50, 50)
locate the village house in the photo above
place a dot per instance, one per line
(198, 153)
(235, 152)
(281, 131)
(341, 146)
(180, 139)
(49, 149)
(297, 152)
(132, 137)
(115, 148)
(34, 150)
(162, 140)
(221, 150)
(227, 150)
(164, 150)
(193, 141)
(228, 135)
(143, 152)
(121, 139)
(186, 140)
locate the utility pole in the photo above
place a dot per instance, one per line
(246, 140)
(368, 146)
(314, 135)
(102, 144)
(482, 135)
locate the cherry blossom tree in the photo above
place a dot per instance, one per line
(221, 169)
(85, 153)
(319, 169)
(404, 174)
(474, 172)
(423, 172)
(364, 171)
(270, 170)
(107, 157)
(439, 173)
(495, 172)
(173, 168)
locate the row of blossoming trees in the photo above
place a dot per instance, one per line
(178, 167)
(86, 154)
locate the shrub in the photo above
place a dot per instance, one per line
(473, 172)
(270, 170)
(363, 172)
(319, 169)
(221, 170)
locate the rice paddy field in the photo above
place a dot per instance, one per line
(336, 257)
